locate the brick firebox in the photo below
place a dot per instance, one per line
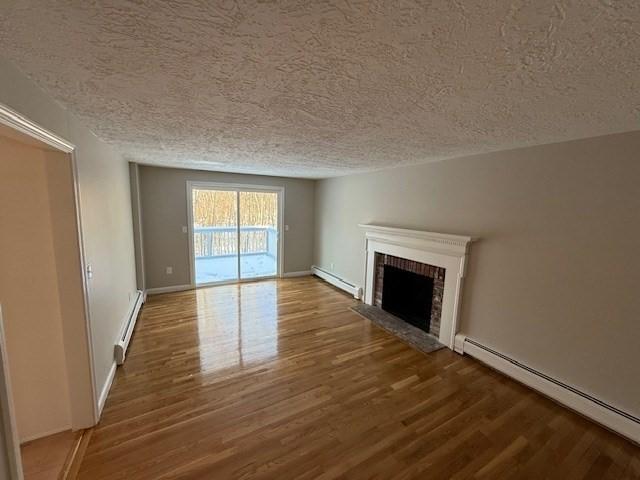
(436, 273)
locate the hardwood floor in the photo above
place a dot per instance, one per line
(279, 379)
(44, 458)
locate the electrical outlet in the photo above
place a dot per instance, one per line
(169, 270)
(286, 228)
(184, 229)
(331, 265)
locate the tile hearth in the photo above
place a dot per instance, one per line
(415, 337)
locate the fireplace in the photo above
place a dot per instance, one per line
(408, 295)
(431, 254)
(410, 290)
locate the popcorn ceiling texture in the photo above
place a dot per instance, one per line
(324, 88)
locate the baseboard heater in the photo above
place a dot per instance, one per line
(337, 282)
(129, 325)
(587, 405)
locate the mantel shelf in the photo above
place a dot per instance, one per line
(459, 240)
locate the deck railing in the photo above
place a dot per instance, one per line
(210, 242)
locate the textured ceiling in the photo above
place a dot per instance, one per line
(322, 88)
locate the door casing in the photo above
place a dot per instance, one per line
(24, 125)
(11, 443)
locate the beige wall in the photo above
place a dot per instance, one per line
(67, 253)
(105, 206)
(553, 282)
(29, 291)
(164, 213)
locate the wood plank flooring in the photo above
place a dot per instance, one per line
(44, 458)
(279, 379)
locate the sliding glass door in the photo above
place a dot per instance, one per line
(258, 234)
(215, 235)
(234, 232)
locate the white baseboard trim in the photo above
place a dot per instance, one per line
(301, 273)
(610, 417)
(105, 389)
(37, 436)
(337, 282)
(172, 288)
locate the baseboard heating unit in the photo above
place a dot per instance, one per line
(337, 282)
(120, 349)
(587, 405)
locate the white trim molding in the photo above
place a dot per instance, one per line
(11, 453)
(104, 393)
(13, 119)
(169, 289)
(583, 403)
(301, 273)
(438, 249)
(338, 282)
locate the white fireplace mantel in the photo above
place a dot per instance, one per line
(438, 249)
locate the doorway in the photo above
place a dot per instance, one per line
(234, 232)
(47, 383)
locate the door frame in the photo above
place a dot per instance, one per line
(22, 124)
(234, 187)
(7, 410)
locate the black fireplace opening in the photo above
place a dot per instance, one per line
(408, 295)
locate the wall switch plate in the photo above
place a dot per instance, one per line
(286, 228)
(89, 271)
(184, 229)
(169, 270)
(331, 265)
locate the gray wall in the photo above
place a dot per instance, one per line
(134, 171)
(553, 282)
(105, 204)
(163, 198)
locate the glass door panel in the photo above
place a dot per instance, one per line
(215, 235)
(258, 234)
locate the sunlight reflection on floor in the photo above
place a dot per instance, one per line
(238, 331)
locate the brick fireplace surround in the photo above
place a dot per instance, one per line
(436, 273)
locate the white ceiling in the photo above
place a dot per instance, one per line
(323, 88)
